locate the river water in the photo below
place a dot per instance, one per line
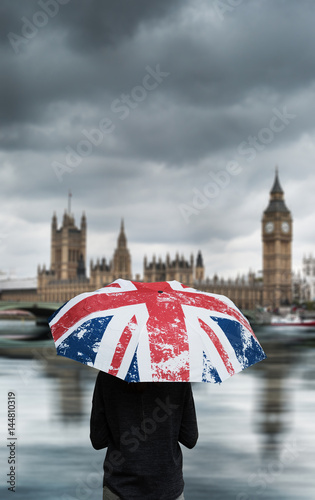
(256, 430)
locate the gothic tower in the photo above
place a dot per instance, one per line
(277, 238)
(199, 269)
(122, 259)
(68, 248)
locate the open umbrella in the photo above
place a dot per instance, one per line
(163, 331)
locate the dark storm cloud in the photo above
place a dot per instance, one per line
(11, 13)
(227, 73)
(263, 47)
(78, 30)
(98, 23)
(87, 25)
(225, 77)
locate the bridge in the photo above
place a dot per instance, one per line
(41, 310)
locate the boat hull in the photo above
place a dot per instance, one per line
(293, 323)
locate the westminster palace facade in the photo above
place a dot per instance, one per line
(67, 275)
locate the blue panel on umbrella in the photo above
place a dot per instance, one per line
(209, 372)
(133, 372)
(82, 344)
(248, 351)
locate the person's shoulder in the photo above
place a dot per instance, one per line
(177, 387)
(106, 378)
(111, 381)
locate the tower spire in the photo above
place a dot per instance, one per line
(277, 238)
(276, 188)
(122, 241)
(276, 201)
(69, 202)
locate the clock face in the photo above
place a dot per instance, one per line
(285, 227)
(269, 227)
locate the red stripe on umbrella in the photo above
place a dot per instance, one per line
(122, 346)
(219, 347)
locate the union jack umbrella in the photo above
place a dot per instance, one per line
(162, 331)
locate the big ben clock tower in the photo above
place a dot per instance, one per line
(277, 237)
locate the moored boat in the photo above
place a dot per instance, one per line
(292, 320)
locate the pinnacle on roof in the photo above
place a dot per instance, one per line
(276, 202)
(122, 240)
(276, 188)
(199, 262)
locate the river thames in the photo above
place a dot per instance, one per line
(256, 430)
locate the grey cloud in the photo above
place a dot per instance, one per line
(225, 79)
(98, 23)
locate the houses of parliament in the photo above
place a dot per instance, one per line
(67, 274)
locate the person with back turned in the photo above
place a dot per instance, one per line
(141, 424)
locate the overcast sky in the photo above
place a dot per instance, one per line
(171, 114)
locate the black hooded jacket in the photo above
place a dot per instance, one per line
(142, 425)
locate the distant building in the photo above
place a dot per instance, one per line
(17, 289)
(277, 238)
(303, 282)
(200, 269)
(68, 248)
(275, 288)
(300, 289)
(178, 269)
(102, 273)
(308, 278)
(245, 291)
(67, 277)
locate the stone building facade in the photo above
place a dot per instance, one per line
(66, 276)
(102, 273)
(304, 281)
(246, 291)
(177, 269)
(200, 269)
(68, 248)
(309, 276)
(277, 238)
